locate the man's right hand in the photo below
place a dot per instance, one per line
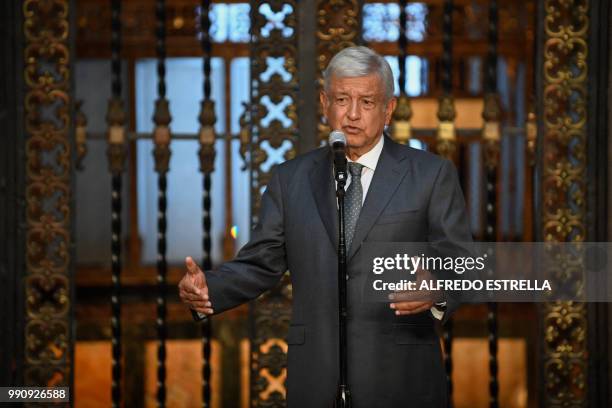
(193, 289)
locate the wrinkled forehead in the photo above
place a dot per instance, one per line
(367, 85)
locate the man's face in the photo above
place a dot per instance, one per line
(356, 106)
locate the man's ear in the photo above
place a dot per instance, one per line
(324, 102)
(391, 105)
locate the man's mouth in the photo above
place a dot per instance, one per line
(351, 130)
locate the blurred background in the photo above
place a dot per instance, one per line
(137, 133)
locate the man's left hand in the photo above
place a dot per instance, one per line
(415, 301)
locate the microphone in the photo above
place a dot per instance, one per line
(337, 142)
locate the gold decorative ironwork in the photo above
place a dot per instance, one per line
(564, 92)
(80, 135)
(116, 135)
(531, 131)
(400, 127)
(337, 28)
(48, 335)
(207, 136)
(161, 135)
(245, 135)
(491, 130)
(446, 138)
(273, 115)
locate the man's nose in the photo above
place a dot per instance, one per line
(354, 112)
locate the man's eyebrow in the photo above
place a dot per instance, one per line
(344, 93)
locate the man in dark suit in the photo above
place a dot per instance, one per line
(394, 194)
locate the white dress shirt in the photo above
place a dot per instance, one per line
(369, 160)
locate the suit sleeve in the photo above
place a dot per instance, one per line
(449, 231)
(260, 263)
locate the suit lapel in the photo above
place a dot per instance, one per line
(390, 171)
(323, 189)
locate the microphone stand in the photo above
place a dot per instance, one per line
(343, 395)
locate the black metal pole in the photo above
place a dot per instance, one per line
(207, 265)
(343, 396)
(162, 269)
(116, 157)
(402, 42)
(491, 198)
(447, 89)
(448, 360)
(207, 168)
(161, 154)
(116, 289)
(447, 47)
(207, 161)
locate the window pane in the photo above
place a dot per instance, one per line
(93, 183)
(218, 22)
(381, 22)
(475, 183)
(474, 75)
(241, 193)
(239, 22)
(184, 91)
(416, 74)
(229, 22)
(417, 144)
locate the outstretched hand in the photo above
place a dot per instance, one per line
(193, 289)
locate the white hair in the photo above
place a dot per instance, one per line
(356, 62)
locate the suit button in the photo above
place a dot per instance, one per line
(347, 277)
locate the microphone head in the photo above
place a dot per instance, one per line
(337, 136)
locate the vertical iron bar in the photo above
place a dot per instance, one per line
(161, 298)
(447, 338)
(491, 79)
(400, 127)
(491, 199)
(116, 217)
(206, 46)
(446, 140)
(207, 265)
(115, 48)
(447, 47)
(446, 113)
(162, 267)
(207, 157)
(160, 32)
(402, 43)
(116, 288)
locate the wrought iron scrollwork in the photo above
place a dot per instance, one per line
(245, 136)
(273, 133)
(564, 96)
(338, 27)
(48, 192)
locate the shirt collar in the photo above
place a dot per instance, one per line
(370, 159)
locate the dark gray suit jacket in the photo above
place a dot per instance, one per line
(393, 361)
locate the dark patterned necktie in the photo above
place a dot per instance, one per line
(352, 202)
